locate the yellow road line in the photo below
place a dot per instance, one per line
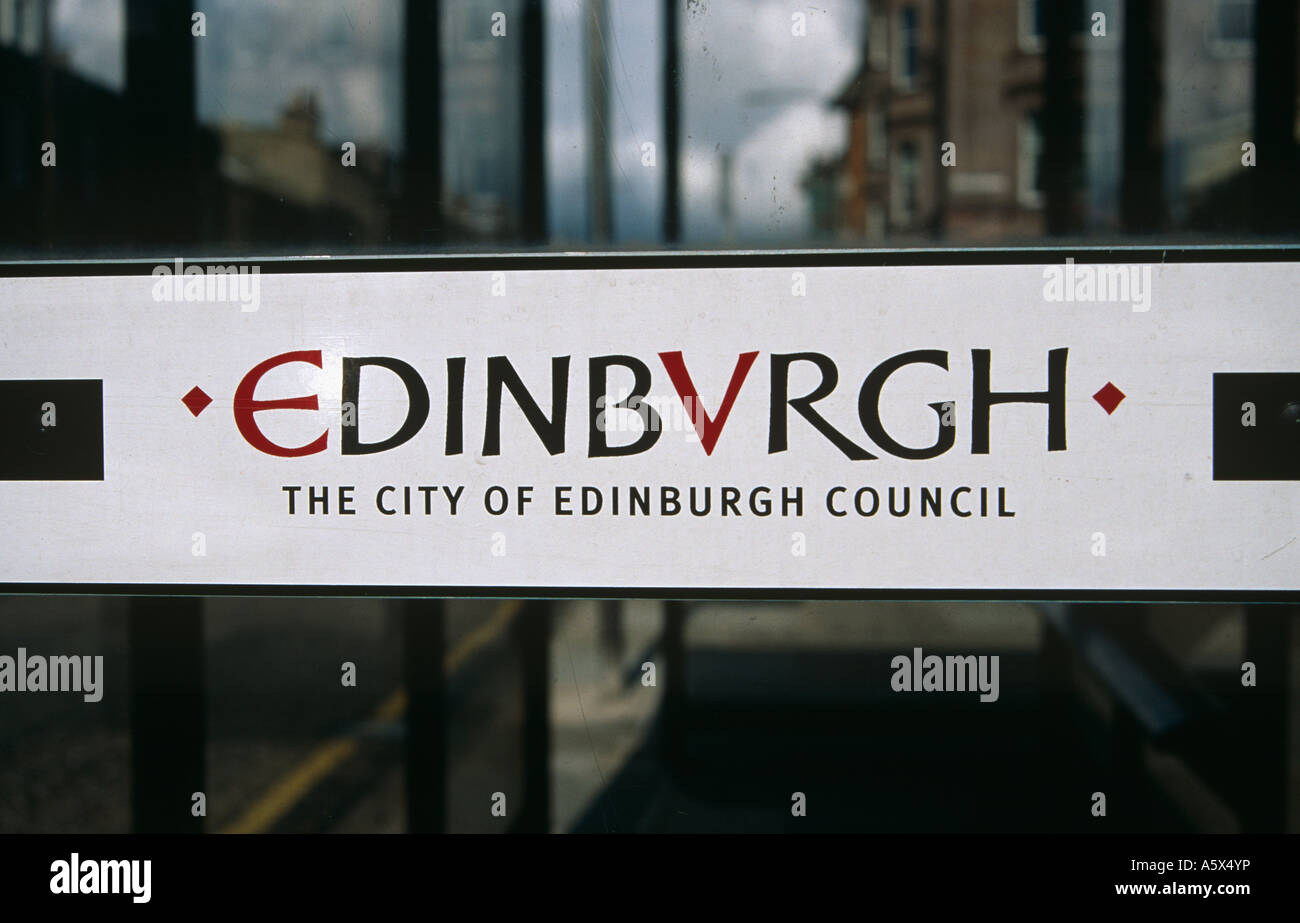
(291, 787)
(276, 801)
(482, 636)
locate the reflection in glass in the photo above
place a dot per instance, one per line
(373, 126)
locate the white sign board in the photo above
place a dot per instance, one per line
(1046, 429)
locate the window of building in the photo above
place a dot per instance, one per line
(875, 222)
(877, 40)
(1030, 26)
(1230, 28)
(907, 58)
(906, 182)
(469, 33)
(877, 140)
(1029, 160)
(20, 24)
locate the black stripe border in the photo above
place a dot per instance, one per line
(668, 259)
(738, 594)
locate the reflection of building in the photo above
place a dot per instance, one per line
(968, 72)
(237, 186)
(21, 23)
(275, 175)
(136, 171)
(482, 121)
(82, 200)
(1210, 46)
(973, 72)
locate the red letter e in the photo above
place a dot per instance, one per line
(246, 406)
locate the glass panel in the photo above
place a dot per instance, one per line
(374, 126)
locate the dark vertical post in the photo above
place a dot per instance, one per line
(422, 218)
(1263, 721)
(1126, 774)
(1142, 200)
(168, 721)
(1127, 800)
(160, 105)
(423, 656)
(1276, 187)
(613, 639)
(533, 120)
(1055, 666)
(1062, 117)
(672, 90)
(674, 665)
(534, 633)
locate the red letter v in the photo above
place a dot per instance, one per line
(708, 429)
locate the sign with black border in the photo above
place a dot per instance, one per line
(1084, 424)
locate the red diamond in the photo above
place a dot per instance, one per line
(1109, 397)
(196, 400)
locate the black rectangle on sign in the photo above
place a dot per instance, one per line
(53, 430)
(1257, 426)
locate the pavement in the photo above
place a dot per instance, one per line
(782, 700)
